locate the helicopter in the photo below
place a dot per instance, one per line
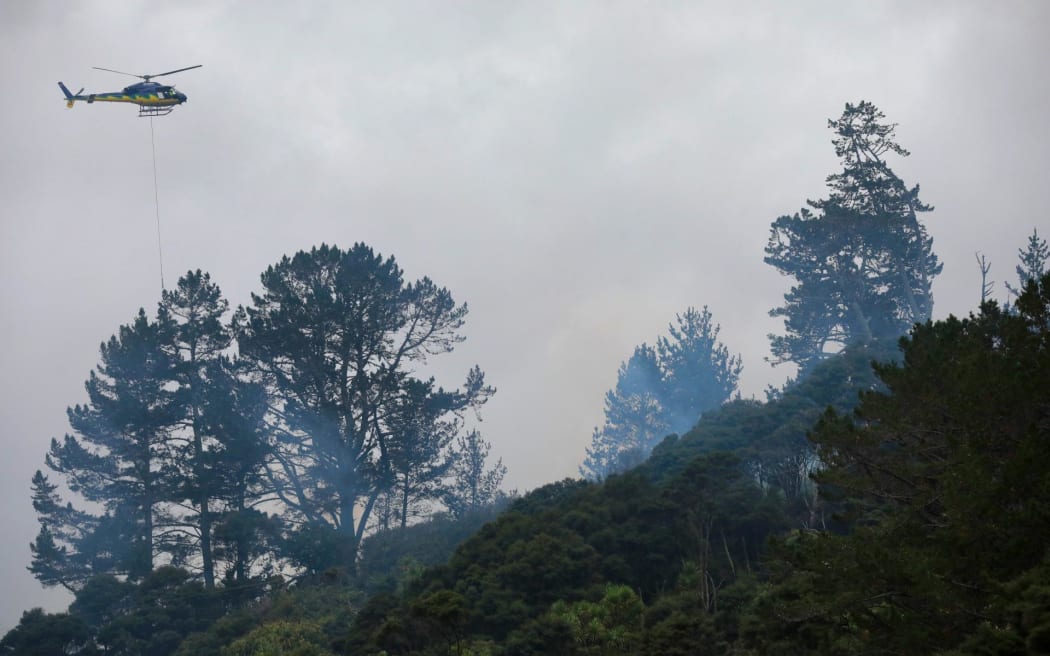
(153, 98)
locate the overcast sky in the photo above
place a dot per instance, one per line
(576, 172)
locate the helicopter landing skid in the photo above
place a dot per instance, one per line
(154, 111)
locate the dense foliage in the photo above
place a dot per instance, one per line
(945, 481)
(930, 534)
(679, 539)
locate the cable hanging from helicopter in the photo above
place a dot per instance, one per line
(153, 98)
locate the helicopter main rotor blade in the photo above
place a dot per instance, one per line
(99, 68)
(177, 70)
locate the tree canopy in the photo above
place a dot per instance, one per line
(662, 390)
(862, 261)
(240, 446)
(942, 478)
(336, 336)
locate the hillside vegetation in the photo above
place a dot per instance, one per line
(286, 479)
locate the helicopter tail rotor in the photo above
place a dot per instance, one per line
(70, 97)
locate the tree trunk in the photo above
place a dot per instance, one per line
(208, 563)
(404, 502)
(913, 306)
(147, 519)
(240, 565)
(861, 321)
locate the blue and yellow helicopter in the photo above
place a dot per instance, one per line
(153, 98)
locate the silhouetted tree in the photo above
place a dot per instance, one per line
(863, 263)
(335, 335)
(62, 553)
(195, 338)
(661, 391)
(46, 634)
(1034, 259)
(236, 419)
(472, 486)
(152, 616)
(422, 427)
(635, 418)
(698, 371)
(121, 454)
(986, 285)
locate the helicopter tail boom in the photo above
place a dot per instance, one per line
(69, 96)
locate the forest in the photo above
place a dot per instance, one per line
(283, 477)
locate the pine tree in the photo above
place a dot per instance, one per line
(863, 262)
(194, 337)
(986, 285)
(1033, 264)
(235, 418)
(335, 335)
(472, 486)
(635, 417)
(698, 371)
(662, 390)
(121, 455)
(422, 427)
(61, 551)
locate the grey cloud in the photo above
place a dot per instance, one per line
(576, 172)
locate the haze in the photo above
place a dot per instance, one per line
(576, 172)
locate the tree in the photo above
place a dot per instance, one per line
(417, 448)
(607, 627)
(335, 336)
(1033, 264)
(219, 440)
(720, 508)
(698, 371)
(635, 419)
(942, 476)
(45, 634)
(152, 616)
(280, 637)
(442, 616)
(169, 444)
(662, 390)
(472, 486)
(74, 546)
(194, 337)
(236, 420)
(122, 457)
(58, 554)
(863, 263)
(986, 285)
